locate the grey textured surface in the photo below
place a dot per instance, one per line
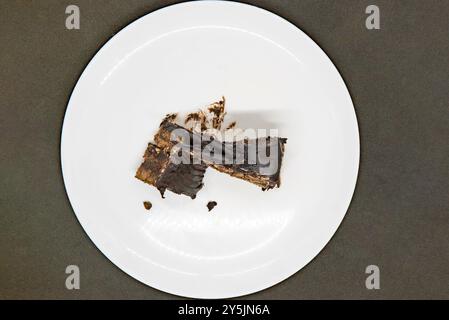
(399, 217)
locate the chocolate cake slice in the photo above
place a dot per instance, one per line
(254, 160)
(158, 170)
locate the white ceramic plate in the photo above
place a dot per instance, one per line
(181, 58)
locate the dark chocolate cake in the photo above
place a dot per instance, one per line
(178, 159)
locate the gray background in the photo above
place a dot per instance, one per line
(399, 81)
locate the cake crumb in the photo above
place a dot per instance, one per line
(211, 205)
(231, 125)
(147, 205)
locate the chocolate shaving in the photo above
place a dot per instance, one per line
(218, 111)
(192, 117)
(198, 120)
(170, 117)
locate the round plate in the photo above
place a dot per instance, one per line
(179, 59)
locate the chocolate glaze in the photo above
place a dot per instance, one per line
(211, 205)
(224, 161)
